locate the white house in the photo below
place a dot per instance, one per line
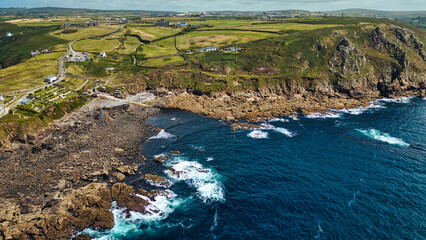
(33, 53)
(8, 34)
(50, 79)
(1, 98)
(181, 24)
(103, 54)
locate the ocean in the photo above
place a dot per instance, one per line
(347, 174)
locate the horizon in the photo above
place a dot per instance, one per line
(222, 5)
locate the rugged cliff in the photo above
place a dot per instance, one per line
(338, 67)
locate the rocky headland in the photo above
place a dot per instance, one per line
(64, 179)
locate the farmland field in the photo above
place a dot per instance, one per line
(161, 61)
(218, 38)
(163, 47)
(152, 33)
(85, 32)
(93, 45)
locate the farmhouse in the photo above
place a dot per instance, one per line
(163, 23)
(34, 53)
(207, 49)
(50, 79)
(8, 34)
(181, 24)
(24, 101)
(103, 54)
(92, 24)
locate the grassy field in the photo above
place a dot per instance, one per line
(163, 47)
(152, 33)
(131, 44)
(47, 56)
(161, 61)
(26, 75)
(25, 22)
(72, 83)
(85, 32)
(94, 45)
(218, 38)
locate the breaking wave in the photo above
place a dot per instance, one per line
(324, 115)
(194, 174)
(162, 135)
(127, 223)
(384, 137)
(258, 134)
(278, 120)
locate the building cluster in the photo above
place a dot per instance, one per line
(163, 23)
(213, 48)
(36, 52)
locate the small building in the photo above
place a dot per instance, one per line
(181, 24)
(50, 79)
(92, 24)
(163, 23)
(44, 50)
(109, 69)
(1, 98)
(9, 34)
(34, 53)
(103, 54)
(24, 101)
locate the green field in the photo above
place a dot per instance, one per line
(47, 56)
(161, 61)
(131, 44)
(218, 38)
(152, 33)
(163, 47)
(85, 32)
(93, 45)
(27, 74)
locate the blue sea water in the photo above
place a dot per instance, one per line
(351, 174)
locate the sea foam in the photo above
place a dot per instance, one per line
(384, 137)
(127, 223)
(196, 175)
(258, 134)
(162, 135)
(278, 120)
(324, 115)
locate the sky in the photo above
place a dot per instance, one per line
(220, 5)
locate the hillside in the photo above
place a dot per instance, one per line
(378, 13)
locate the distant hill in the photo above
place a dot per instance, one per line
(53, 11)
(378, 13)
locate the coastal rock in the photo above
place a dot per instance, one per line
(126, 169)
(159, 159)
(175, 152)
(157, 180)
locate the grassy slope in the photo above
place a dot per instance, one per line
(17, 48)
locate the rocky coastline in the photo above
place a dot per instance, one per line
(64, 179)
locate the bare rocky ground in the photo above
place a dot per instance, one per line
(65, 178)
